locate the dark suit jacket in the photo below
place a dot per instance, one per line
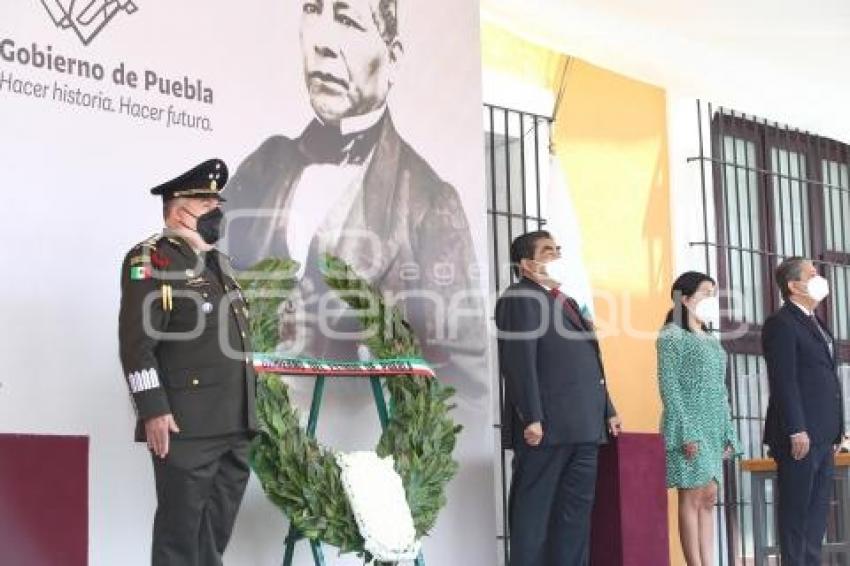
(551, 377)
(425, 253)
(805, 394)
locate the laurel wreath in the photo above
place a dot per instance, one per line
(302, 477)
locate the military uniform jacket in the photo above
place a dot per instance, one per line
(184, 339)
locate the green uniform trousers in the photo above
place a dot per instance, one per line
(199, 486)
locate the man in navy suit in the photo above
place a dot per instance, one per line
(557, 409)
(805, 420)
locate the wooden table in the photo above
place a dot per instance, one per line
(762, 471)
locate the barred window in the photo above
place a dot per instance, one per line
(771, 192)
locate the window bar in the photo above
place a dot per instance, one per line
(508, 197)
(792, 216)
(719, 542)
(760, 400)
(805, 198)
(738, 514)
(826, 216)
(769, 254)
(842, 247)
(513, 215)
(752, 195)
(762, 171)
(735, 515)
(841, 326)
(843, 182)
(769, 218)
(774, 164)
(742, 366)
(740, 236)
(493, 200)
(537, 170)
(728, 507)
(725, 208)
(734, 389)
(702, 180)
(827, 165)
(832, 244)
(834, 318)
(522, 133)
(721, 506)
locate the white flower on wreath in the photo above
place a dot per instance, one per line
(378, 501)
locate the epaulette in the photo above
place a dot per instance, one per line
(140, 258)
(147, 244)
(151, 242)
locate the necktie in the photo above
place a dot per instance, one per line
(821, 332)
(569, 308)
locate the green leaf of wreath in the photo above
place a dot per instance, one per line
(299, 475)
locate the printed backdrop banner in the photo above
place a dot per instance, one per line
(101, 100)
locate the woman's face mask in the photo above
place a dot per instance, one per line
(707, 311)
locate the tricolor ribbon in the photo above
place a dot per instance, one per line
(271, 363)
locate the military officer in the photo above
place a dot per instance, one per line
(186, 353)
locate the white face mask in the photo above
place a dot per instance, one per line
(708, 311)
(558, 269)
(817, 288)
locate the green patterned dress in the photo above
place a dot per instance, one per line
(692, 380)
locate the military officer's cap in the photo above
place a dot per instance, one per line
(203, 181)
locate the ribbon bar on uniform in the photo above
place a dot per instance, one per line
(266, 363)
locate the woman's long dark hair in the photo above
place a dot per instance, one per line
(684, 287)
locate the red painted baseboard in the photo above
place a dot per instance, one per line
(630, 514)
(44, 500)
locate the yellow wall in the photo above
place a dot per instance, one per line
(610, 138)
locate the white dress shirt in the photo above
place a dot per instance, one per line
(324, 195)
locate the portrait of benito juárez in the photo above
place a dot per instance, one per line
(350, 185)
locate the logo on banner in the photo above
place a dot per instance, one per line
(86, 17)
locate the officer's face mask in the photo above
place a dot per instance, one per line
(208, 224)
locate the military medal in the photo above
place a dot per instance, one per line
(197, 282)
(158, 260)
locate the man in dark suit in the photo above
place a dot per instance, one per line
(557, 409)
(350, 186)
(805, 419)
(185, 348)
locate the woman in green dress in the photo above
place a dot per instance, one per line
(696, 421)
